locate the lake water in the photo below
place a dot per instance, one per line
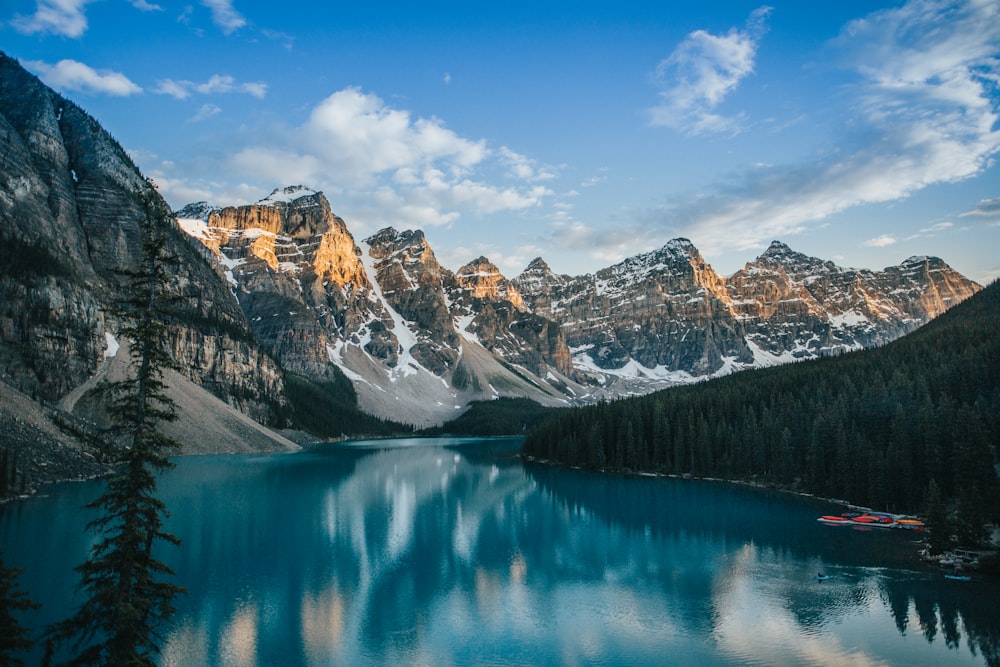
(453, 552)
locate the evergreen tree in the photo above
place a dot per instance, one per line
(936, 520)
(14, 637)
(4, 475)
(125, 599)
(971, 518)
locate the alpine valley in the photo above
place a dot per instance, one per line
(280, 291)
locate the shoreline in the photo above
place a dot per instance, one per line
(941, 563)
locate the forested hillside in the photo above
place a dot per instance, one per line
(873, 427)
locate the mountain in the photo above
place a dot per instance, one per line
(284, 317)
(654, 319)
(420, 342)
(666, 317)
(794, 306)
(382, 311)
(69, 226)
(877, 428)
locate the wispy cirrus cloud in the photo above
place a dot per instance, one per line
(74, 75)
(523, 167)
(205, 112)
(880, 241)
(65, 17)
(225, 16)
(217, 84)
(923, 110)
(56, 17)
(987, 210)
(701, 72)
(144, 6)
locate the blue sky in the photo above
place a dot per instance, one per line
(584, 132)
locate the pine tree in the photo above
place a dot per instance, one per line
(4, 464)
(14, 637)
(126, 601)
(971, 518)
(938, 526)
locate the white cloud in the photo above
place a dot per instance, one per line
(359, 136)
(987, 208)
(223, 83)
(938, 227)
(178, 89)
(216, 84)
(923, 112)
(931, 231)
(287, 40)
(510, 264)
(277, 166)
(57, 17)
(65, 17)
(880, 241)
(225, 16)
(608, 245)
(524, 168)
(701, 72)
(384, 166)
(205, 112)
(74, 75)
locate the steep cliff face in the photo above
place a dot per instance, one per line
(68, 226)
(648, 316)
(795, 306)
(295, 271)
(489, 310)
(409, 331)
(925, 286)
(481, 279)
(413, 283)
(380, 311)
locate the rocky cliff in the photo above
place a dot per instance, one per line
(648, 317)
(793, 306)
(383, 311)
(69, 224)
(420, 341)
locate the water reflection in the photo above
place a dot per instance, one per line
(438, 554)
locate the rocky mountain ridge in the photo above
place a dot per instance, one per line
(382, 310)
(419, 340)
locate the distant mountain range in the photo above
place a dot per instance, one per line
(420, 341)
(282, 287)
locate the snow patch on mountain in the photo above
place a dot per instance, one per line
(287, 195)
(407, 365)
(111, 351)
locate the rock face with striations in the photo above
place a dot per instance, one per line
(295, 271)
(381, 311)
(490, 309)
(413, 283)
(794, 306)
(68, 225)
(656, 313)
(388, 314)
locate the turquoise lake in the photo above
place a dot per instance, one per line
(454, 552)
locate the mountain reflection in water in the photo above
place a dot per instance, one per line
(452, 552)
